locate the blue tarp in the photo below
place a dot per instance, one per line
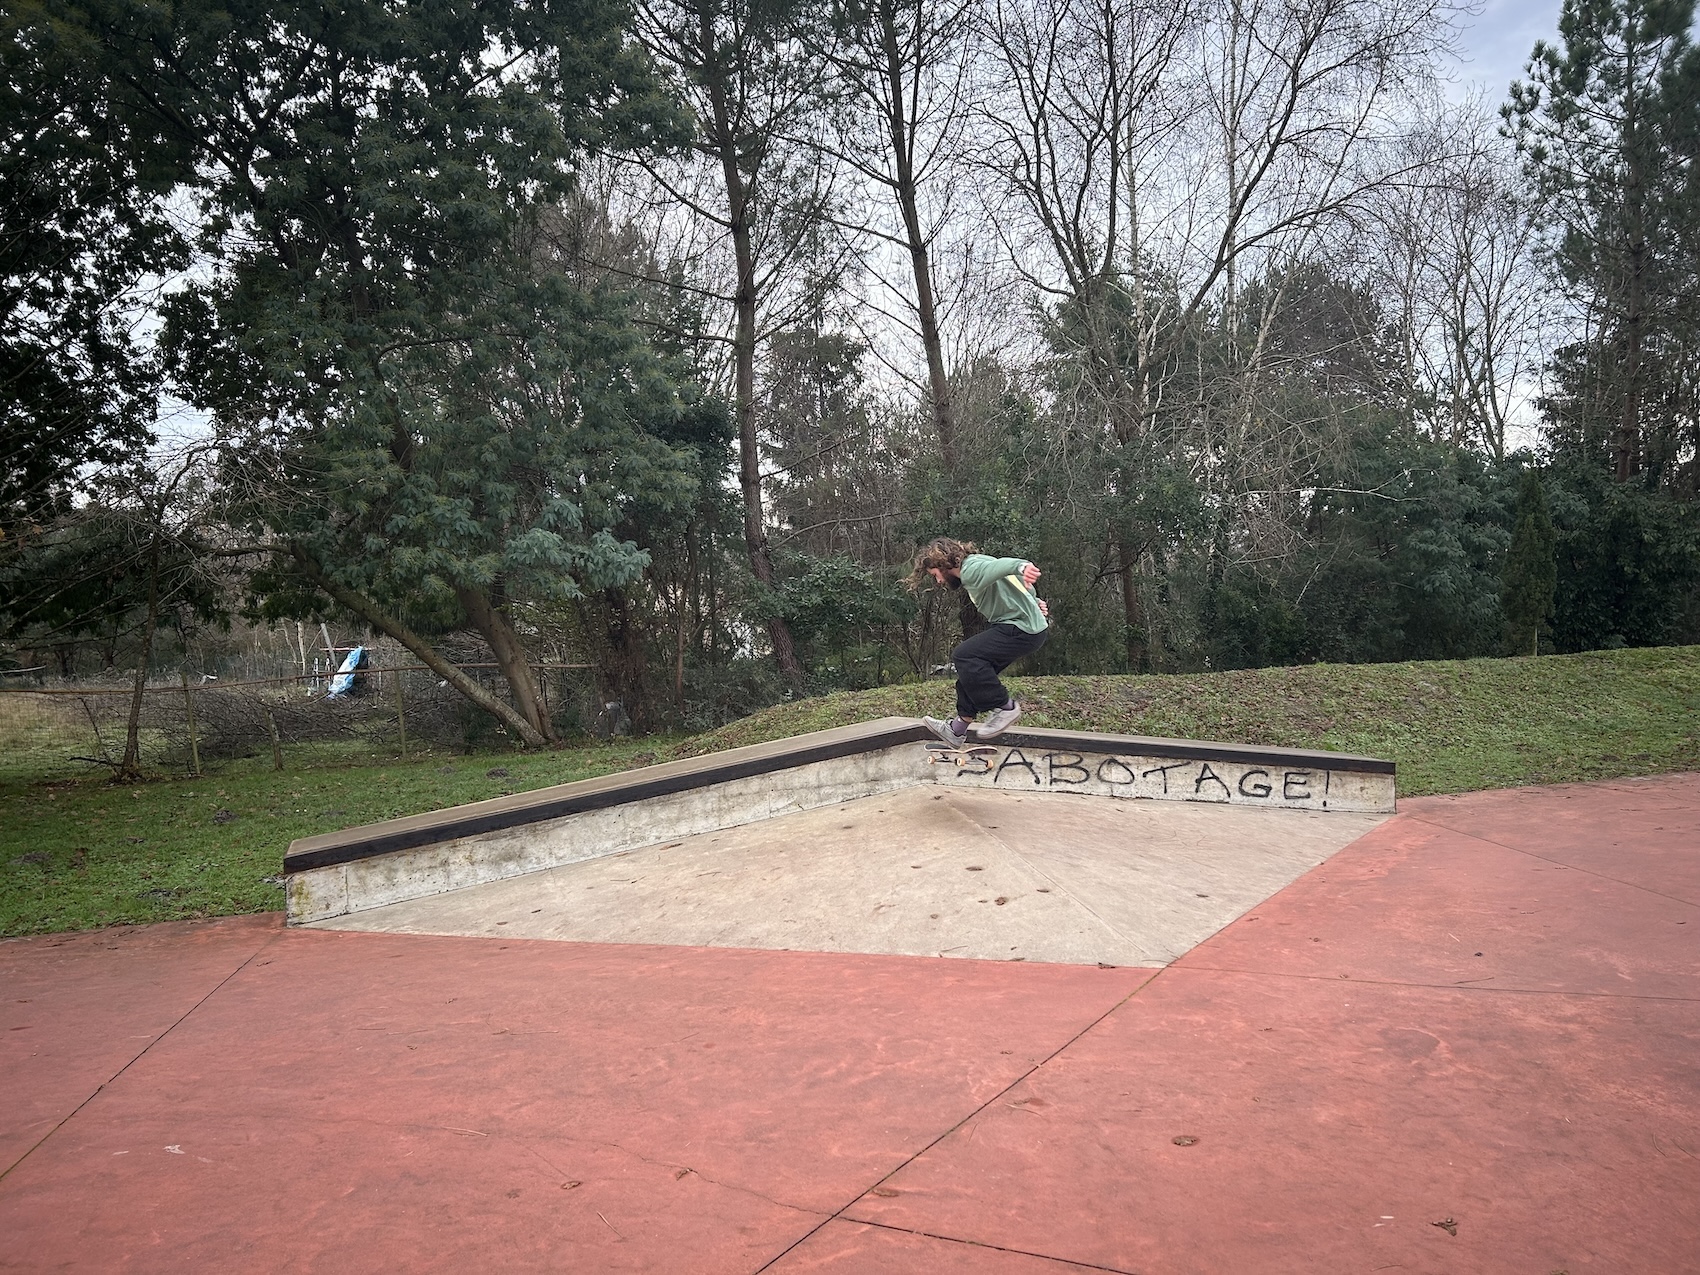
(343, 682)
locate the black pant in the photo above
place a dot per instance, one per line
(981, 658)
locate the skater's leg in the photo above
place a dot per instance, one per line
(981, 658)
(977, 685)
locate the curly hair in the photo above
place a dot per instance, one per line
(941, 552)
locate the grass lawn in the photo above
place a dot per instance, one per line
(78, 852)
(1452, 726)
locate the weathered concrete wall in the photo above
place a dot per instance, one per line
(411, 858)
(1298, 782)
(317, 894)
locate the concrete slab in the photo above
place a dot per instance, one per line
(1636, 831)
(77, 1009)
(1417, 903)
(856, 1248)
(388, 1102)
(923, 871)
(1336, 1124)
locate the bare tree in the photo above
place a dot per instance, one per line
(1155, 157)
(903, 70)
(756, 98)
(161, 504)
(1454, 248)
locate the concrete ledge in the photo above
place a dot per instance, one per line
(352, 870)
(1181, 770)
(355, 869)
(1192, 749)
(526, 808)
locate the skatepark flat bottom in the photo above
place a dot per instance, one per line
(925, 871)
(1469, 1041)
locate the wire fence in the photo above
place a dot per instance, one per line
(190, 724)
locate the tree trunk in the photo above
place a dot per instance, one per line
(131, 768)
(1133, 611)
(926, 310)
(1634, 320)
(681, 618)
(374, 615)
(485, 610)
(1635, 302)
(624, 667)
(725, 143)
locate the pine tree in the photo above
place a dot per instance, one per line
(1530, 576)
(1605, 124)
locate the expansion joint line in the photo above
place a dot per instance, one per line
(1465, 985)
(838, 1215)
(101, 1088)
(1568, 867)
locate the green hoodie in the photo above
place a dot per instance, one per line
(995, 586)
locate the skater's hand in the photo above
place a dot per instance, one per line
(1043, 609)
(1029, 574)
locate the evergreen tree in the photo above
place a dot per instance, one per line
(430, 422)
(1606, 126)
(1530, 575)
(1628, 563)
(82, 223)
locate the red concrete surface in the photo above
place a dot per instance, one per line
(234, 1096)
(1648, 839)
(76, 1009)
(354, 1102)
(1417, 903)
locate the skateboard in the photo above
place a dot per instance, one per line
(975, 759)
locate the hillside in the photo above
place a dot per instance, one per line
(1452, 726)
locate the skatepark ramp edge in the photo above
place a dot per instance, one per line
(356, 869)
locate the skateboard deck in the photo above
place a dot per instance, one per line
(974, 758)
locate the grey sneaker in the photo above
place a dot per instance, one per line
(944, 732)
(997, 723)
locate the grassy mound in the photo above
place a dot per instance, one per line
(1452, 726)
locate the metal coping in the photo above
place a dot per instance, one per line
(434, 827)
(1204, 750)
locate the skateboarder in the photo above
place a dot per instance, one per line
(1002, 590)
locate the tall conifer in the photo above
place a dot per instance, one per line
(1530, 576)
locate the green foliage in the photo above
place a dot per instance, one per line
(1407, 565)
(1530, 574)
(445, 408)
(1628, 563)
(1606, 125)
(88, 575)
(1249, 622)
(843, 616)
(414, 389)
(82, 223)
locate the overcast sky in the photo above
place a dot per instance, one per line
(1497, 42)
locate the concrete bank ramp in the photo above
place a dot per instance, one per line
(1066, 847)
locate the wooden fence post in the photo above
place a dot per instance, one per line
(277, 749)
(194, 744)
(400, 718)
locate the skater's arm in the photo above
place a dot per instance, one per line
(979, 569)
(1003, 590)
